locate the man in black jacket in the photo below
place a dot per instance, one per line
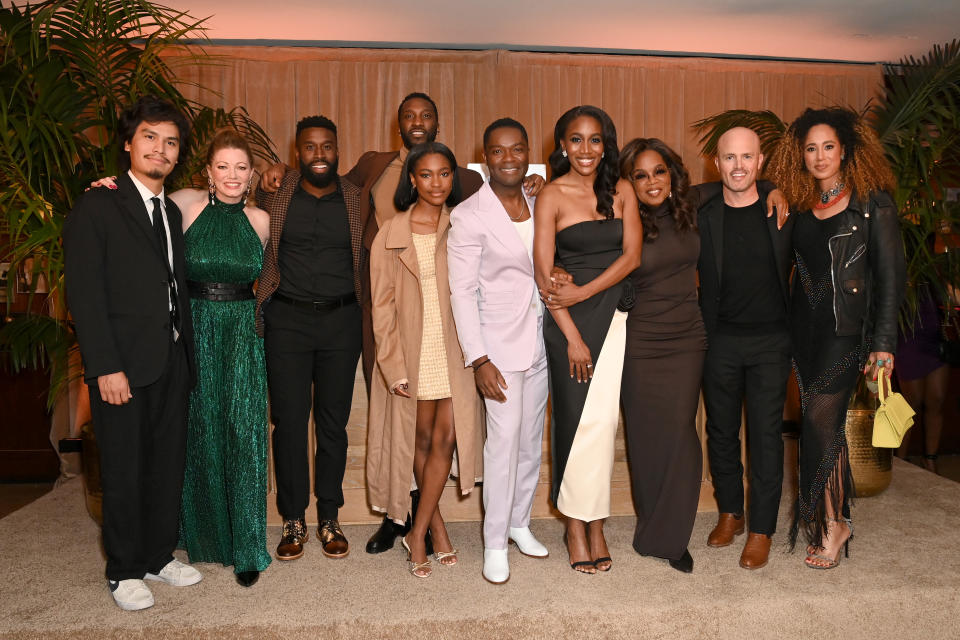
(744, 267)
(126, 287)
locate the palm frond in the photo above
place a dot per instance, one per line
(767, 124)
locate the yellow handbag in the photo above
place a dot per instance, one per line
(892, 418)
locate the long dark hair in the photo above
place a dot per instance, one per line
(681, 209)
(406, 193)
(605, 184)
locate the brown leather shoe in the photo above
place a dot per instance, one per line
(291, 540)
(334, 543)
(728, 526)
(756, 551)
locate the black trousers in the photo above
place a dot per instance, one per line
(142, 449)
(304, 348)
(755, 369)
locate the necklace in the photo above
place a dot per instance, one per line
(832, 196)
(523, 207)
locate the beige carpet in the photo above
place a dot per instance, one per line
(901, 581)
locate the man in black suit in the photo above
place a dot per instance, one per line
(125, 277)
(744, 267)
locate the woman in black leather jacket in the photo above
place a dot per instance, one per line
(847, 290)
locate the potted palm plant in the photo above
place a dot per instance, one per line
(67, 68)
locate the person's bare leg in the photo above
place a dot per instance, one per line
(937, 383)
(837, 532)
(598, 546)
(426, 409)
(439, 462)
(578, 548)
(438, 423)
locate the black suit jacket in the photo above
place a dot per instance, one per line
(710, 222)
(116, 284)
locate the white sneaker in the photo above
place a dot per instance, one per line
(496, 567)
(131, 595)
(528, 545)
(176, 574)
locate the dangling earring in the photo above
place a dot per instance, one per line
(602, 155)
(563, 152)
(670, 195)
(246, 195)
(212, 189)
(843, 155)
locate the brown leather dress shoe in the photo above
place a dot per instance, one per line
(756, 551)
(334, 543)
(728, 526)
(291, 540)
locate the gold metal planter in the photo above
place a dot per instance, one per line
(871, 467)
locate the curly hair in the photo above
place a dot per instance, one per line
(605, 183)
(681, 208)
(864, 166)
(406, 193)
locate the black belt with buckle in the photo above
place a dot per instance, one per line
(220, 291)
(317, 305)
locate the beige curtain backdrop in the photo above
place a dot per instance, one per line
(360, 90)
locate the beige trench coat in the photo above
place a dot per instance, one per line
(397, 329)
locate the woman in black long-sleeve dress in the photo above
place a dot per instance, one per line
(665, 346)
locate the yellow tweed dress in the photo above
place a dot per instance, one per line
(433, 379)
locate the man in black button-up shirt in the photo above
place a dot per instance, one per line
(308, 310)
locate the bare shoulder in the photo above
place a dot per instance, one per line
(624, 188)
(259, 220)
(189, 198)
(548, 195)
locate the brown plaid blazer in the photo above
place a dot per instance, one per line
(276, 204)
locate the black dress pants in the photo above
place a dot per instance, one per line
(304, 348)
(752, 368)
(142, 450)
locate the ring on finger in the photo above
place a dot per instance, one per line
(589, 366)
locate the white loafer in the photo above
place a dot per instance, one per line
(131, 595)
(528, 545)
(496, 567)
(176, 574)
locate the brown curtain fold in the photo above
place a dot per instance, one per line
(360, 90)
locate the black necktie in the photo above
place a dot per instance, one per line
(171, 283)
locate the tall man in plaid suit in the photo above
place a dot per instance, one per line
(308, 310)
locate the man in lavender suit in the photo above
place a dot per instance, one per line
(499, 321)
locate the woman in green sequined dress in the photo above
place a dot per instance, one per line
(223, 514)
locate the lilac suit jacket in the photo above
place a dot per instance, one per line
(492, 289)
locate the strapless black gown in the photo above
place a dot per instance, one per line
(584, 415)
